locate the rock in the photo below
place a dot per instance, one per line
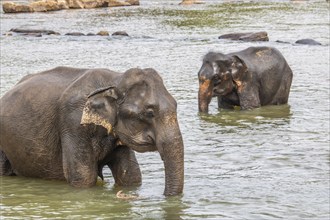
(258, 36)
(117, 3)
(90, 34)
(120, 33)
(308, 42)
(250, 36)
(133, 2)
(45, 5)
(37, 6)
(103, 33)
(94, 3)
(75, 4)
(282, 42)
(54, 5)
(62, 4)
(10, 7)
(32, 34)
(75, 34)
(190, 2)
(33, 31)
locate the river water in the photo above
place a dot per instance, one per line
(268, 163)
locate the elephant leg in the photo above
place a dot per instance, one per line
(247, 96)
(79, 166)
(249, 99)
(5, 166)
(282, 94)
(124, 167)
(222, 103)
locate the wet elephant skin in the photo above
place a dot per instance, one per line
(68, 123)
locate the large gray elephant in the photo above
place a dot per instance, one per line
(68, 123)
(250, 78)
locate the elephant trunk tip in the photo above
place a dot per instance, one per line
(174, 190)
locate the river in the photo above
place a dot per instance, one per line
(267, 163)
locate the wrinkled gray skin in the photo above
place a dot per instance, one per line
(68, 123)
(250, 78)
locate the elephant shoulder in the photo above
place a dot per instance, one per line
(57, 75)
(92, 79)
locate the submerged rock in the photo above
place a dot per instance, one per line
(120, 33)
(75, 34)
(33, 31)
(308, 42)
(40, 32)
(282, 42)
(250, 36)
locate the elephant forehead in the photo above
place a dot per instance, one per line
(206, 70)
(209, 69)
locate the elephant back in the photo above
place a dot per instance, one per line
(260, 60)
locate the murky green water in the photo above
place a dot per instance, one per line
(268, 163)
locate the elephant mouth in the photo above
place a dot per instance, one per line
(138, 146)
(214, 94)
(218, 93)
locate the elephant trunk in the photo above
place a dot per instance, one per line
(171, 149)
(204, 95)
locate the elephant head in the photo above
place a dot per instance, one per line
(141, 113)
(219, 76)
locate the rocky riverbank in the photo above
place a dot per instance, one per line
(55, 5)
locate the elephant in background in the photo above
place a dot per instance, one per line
(68, 123)
(250, 78)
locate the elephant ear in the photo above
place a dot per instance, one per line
(101, 108)
(238, 68)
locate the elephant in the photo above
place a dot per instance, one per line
(253, 77)
(68, 123)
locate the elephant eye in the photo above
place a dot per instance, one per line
(216, 80)
(149, 113)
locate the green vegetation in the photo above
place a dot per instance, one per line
(216, 16)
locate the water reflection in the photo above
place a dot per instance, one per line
(173, 208)
(265, 114)
(60, 200)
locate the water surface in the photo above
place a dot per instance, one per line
(267, 163)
